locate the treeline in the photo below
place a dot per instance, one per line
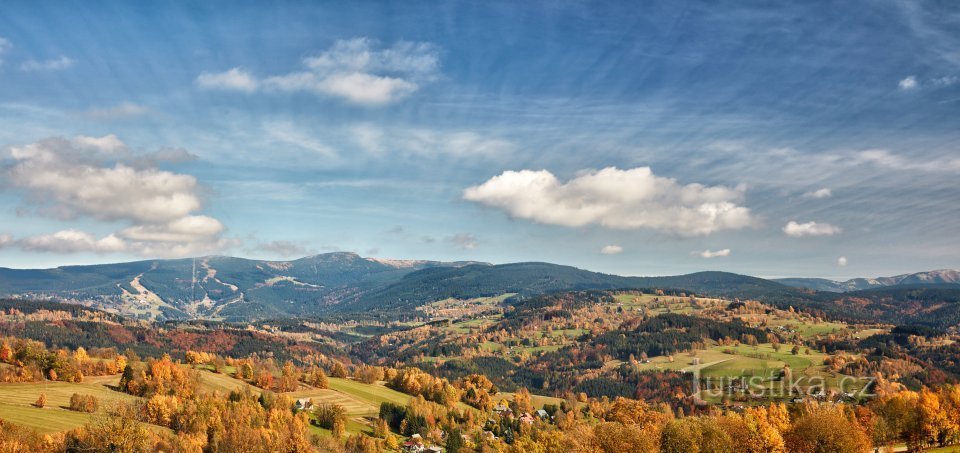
(31, 361)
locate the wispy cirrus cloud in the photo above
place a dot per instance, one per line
(359, 71)
(464, 241)
(5, 47)
(56, 64)
(120, 111)
(613, 198)
(428, 143)
(283, 249)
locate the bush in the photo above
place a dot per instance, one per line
(83, 403)
(328, 415)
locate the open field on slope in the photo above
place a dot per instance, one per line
(723, 363)
(537, 400)
(16, 402)
(361, 401)
(16, 399)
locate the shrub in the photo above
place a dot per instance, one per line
(83, 403)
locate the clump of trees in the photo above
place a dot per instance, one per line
(32, 362)
(83, 403)
(416, 382)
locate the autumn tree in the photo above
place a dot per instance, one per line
(827, 428)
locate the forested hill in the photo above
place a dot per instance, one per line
(525, 279)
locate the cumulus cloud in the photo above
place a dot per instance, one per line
(842, 261)
(713, 254)
(465, 241)
(72, 241)
(56, 64)
(611, 249)
(119, 111)
(108, 143)
(908, 83)
(819, 193)
(97, 177)
(362, 72)
(359, 71)
(795, 229)
(5, 240)
(235, 79)
(614, 198)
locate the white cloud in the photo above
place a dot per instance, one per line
(356, 87)
(196, 228)
(713, 254)
(235, 79)
(358, 71)
(119, 111)
(97, 177)
(819, 193)
(56, 64)
(908, 83)
(842, 261)
(611, 249)
(614, 198)
(795, 229)
(108, 143)
(465, 241)
(5, 47)
(72, 241)
(5, 240)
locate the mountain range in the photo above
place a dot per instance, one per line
(239, 289)
(942, 276)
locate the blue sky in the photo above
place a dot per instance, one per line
(802, 139)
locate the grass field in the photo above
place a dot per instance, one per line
(726, 362)
(361, 401)
(16, 402)
(537, 400)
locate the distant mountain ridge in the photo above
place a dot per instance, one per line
(941, 276)
(218, 287)
(240, 290)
